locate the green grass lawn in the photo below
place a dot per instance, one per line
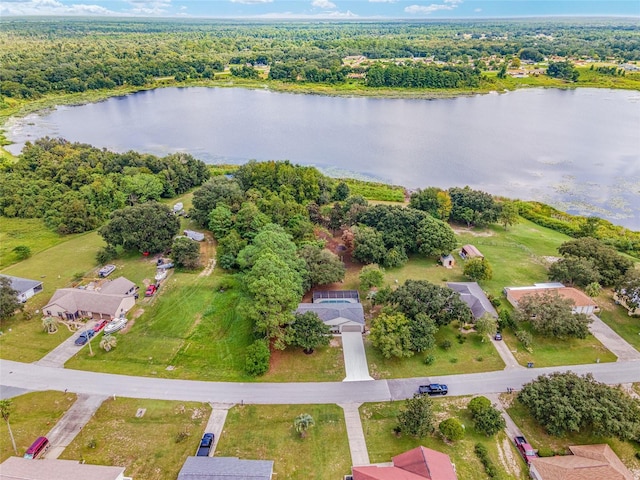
(30, 232)
(190, 326)
(379, 419)
(265, 432)
(33, 415)
(293, 365)
(515, 255)
(153, 447)
(540, 439)
(22, 337)
(421, 268)
(472, 356)
(551, 351)
(618, 319)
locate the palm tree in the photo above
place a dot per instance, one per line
(6, 406)
(50, 324)
(108, 342)
(302, 423)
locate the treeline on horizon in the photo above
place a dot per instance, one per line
(75, 187)
(75, 55)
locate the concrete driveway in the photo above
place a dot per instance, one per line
(67, 349)
(355, 359)
(612, 341)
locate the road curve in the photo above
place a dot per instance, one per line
(29, 376)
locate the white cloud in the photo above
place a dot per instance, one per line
(149, 7)
(326, 4)
(251, 2)
(434, 7)
(50, 7)
(383, 1)
(477, 9)
(309, 16)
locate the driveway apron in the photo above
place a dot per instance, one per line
(355, 359)
(68, 427)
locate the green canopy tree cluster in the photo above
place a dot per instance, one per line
(565, 402)
(552, 315)
(74, 187)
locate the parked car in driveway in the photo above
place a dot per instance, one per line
(525, 449)
(115, 325)
(205, 445)
(100, 325)
(498, 336)
(106, 271)
(434, 389)
(151, 290)
(84, 337)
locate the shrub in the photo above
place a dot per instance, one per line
(106, 254)
(525, 339)
(489, 468)
(445, 345)
(478, 404)
(258, 357)
(22, 252)
(429, 359)
(451, 429)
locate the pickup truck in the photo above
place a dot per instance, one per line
(525, 449)
(434, 389)
(205, 445)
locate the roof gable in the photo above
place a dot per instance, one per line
(22, 285)
(225, 468)
(328, 312)
(119, 285)
(15, 468)
(474, 297)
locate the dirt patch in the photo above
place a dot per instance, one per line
(550, 260)
(335, 342)
(128, 326)
(137, 313)
(470, 231)
(507, 458)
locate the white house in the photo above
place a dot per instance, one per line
(26, 288)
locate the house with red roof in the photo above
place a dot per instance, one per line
(421, 463)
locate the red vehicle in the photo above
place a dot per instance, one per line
(37, 448)
(151, 290)
(100, 325)
(525, 449)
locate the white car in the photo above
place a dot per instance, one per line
(160, 275)
(115, 325)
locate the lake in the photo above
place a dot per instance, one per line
(578, 150)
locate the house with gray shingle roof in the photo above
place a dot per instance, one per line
(225, 468)
(340, 317)
(74, 303)
(26, 288)
(472, 295)
(118, 286)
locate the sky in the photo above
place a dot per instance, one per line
(323, 9)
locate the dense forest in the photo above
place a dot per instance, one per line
(74, 187)
(75, 55)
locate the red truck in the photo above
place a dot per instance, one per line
(525, 449)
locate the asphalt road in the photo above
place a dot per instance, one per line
(39, 378)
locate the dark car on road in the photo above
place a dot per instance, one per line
(84, 337)
(498, 336)
(205, 445)
(433, 389)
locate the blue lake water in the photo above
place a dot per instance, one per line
(578, 150)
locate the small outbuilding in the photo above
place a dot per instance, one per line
(469, 251)
(26, 288)
(193, 235)
(447, 261)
